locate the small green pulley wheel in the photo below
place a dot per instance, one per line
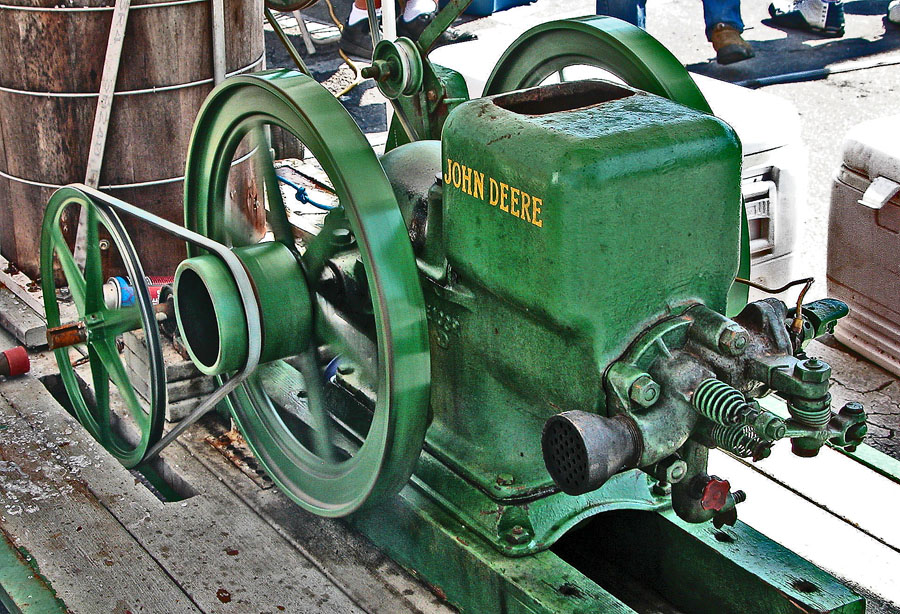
(627, 52)
(331, 454)
(98, 328)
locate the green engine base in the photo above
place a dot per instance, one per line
(637, 561)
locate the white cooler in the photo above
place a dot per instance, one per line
(864, 241)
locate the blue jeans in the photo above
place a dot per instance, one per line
(714, 12)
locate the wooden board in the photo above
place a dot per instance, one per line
(21, 320)
(216, 545)
(48, 509)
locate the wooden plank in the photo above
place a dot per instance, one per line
(101, 116)
(838, 484)
(18, 282)
(220, 551)
(92, 562)
(814, 533)
(368, 576)
(21, 320)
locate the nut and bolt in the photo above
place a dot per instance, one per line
(505, 479)
(734, 339)
(103, 244)
(518, 535)
(644, 391)
(853, 408)
(342, 236)
(671, 470)
(379, 70)
(812, 370)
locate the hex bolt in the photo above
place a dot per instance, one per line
(644, 391)
(517, 535)
(734, 339)
(342, 236)
(812, 370)
(505, 479)
(853, 408)
(345, 369)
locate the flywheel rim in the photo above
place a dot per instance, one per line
(302, 107)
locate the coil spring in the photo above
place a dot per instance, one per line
(719, 402)
(739, 440)
(817, 418)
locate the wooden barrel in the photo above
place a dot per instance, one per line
(52, 57)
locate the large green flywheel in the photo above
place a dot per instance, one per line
(331, 443)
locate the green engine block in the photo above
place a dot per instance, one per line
(578, 242)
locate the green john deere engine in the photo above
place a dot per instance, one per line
(592, 234)
(529, 313)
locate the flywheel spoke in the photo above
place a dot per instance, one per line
(100, 381)
(109, 355)
(323, 429)
(74, 278)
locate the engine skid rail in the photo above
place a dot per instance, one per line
(692, 568)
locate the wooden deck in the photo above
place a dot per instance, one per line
(104, 542)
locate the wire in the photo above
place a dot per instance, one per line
(357, 78)
(302, 195)
(797, 324)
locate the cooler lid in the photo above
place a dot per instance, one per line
(872, 148)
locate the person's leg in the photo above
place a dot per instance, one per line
(355, 36)
(418, 14)
(358, 11)
(723, 29)
(727, 12)
(632, 11)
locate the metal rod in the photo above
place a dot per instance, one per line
(146, 90)
(217, 22)
(818, 73)
(288, 45)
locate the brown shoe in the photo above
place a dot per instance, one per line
(729, 45)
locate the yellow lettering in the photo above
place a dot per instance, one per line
(513, 201)
(536, 204)
(526, 203)
(503, 194)
(447, 174)
(495, 192)
(478, 191)
(457, 175)
(467, 180)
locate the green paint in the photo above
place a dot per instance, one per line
(315, 476)
(103, 326)
(23, 589)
